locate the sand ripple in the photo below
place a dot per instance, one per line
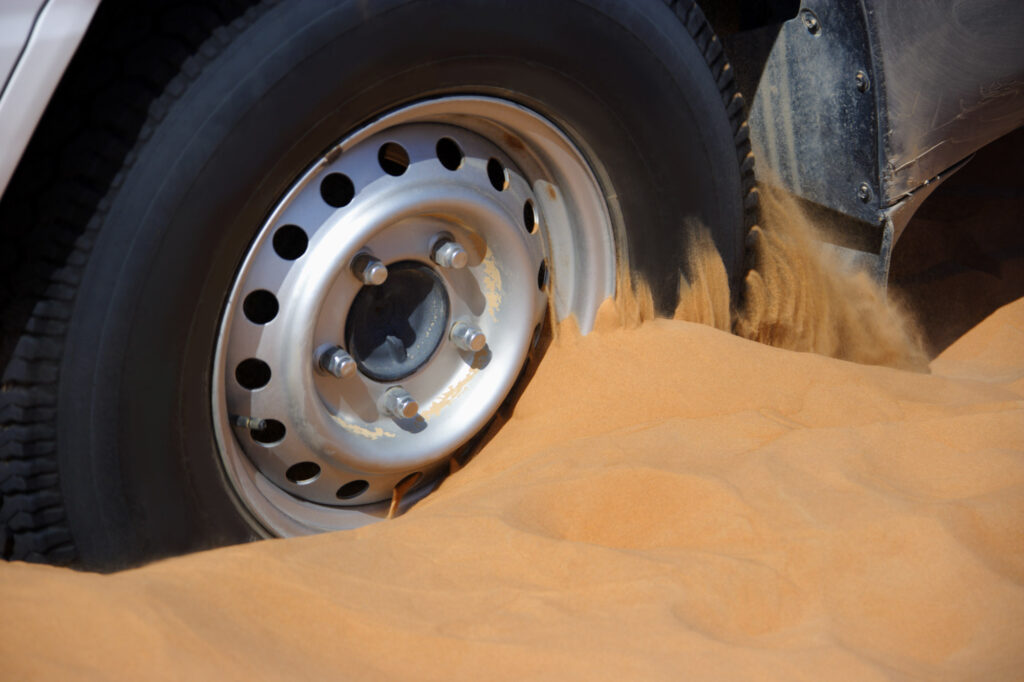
(703, 508)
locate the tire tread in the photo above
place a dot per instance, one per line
(128, 72)
(691, 16)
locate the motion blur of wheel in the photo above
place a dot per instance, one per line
(323, 263)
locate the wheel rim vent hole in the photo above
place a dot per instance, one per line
(393, 158)
(260, 307)
(272, 433)
(542, 275)
(449, 154)
(252, 374)
(497, 174)
(352, 489)
(337, 190)
(303, 473)
(529, 217)
(290, 242)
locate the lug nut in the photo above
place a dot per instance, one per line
(399, 404)
(336, 361)
(251, 423)
(467, 337)
(370, 270)
(449, 254)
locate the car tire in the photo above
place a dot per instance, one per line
(108, 450)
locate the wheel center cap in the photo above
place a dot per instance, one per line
(394, 328)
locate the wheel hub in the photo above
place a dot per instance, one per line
(393, 329)
(382, 314)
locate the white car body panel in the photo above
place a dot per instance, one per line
(16, 20)
(38, 40)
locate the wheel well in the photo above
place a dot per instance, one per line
(728, 17)
(748, 29)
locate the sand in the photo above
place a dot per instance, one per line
(666, 502)
(798, 293)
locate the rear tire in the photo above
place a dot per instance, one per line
(107, 449)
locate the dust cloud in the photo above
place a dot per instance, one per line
(802, 297)
(797, 295)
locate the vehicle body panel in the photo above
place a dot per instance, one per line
(860, 106)
(954, 81)
(16, 20)
(54, 35)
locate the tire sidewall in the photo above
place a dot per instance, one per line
(139, 469)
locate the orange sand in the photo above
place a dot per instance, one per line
(797, 294)
(668, 502)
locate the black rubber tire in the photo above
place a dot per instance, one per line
(106, 447)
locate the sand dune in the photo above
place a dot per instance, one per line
(666, 502)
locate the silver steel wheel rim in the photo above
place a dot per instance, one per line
(307, 444)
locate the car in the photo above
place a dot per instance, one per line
(269, 268)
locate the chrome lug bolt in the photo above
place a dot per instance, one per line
(369, 270)
(467, 337)
(449, 254)
(336, 361)
(251, 423)
(399, 404)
